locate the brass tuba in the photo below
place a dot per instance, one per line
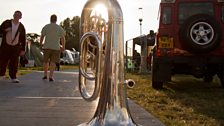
(101, 73)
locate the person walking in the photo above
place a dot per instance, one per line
(53, 34)
(12, 46)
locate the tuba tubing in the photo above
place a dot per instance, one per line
(130, 83)
(83, 71)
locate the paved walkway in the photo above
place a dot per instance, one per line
(34, 102)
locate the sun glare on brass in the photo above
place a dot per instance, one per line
(102, 63)
(101, 11)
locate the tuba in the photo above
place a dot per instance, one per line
(101, 70)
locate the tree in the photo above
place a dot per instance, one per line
(71, 27)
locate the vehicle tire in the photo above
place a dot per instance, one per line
(155, 84)
(200, 33)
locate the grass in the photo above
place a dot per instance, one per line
(185, 101)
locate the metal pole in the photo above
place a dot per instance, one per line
(126, 53)
(143, 68)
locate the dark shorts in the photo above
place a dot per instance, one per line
(51, 55)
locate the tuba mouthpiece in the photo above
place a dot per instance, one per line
(130, 83)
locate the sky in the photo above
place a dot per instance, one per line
(36, 13)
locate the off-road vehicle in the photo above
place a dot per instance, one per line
(189, 41)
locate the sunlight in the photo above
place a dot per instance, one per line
(100, 10)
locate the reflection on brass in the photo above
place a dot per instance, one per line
(102, 63)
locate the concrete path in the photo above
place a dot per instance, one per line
(34, 102)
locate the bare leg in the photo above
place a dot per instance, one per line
(46, 69)
(52, 67)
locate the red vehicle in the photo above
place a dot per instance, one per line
(189, 41)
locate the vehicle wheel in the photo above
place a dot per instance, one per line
(155, 84)
(200, 33)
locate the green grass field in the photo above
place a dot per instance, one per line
(185, 101)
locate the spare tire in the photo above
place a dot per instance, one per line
(200, 33)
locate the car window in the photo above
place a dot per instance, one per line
(188, 9)
(222, 14)
(166, 16)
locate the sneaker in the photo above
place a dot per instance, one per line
(44, 78)
(15, 80)
(51, 79)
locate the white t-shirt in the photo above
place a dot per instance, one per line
(14, 29)
(11, 39)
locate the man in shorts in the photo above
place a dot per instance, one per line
(53, 35)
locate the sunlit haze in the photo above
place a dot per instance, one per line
(100, 9)
(36, 13)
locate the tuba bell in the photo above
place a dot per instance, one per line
(101, 70)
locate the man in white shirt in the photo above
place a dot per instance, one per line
(12, 46)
